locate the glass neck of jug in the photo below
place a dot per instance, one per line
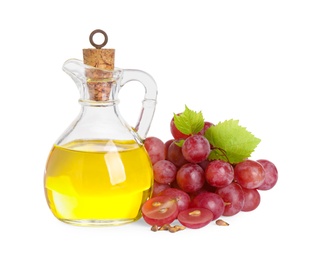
(100, 88)
(95, 85)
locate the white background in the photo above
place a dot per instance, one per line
(247, 60)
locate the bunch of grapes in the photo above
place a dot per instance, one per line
(194, 190)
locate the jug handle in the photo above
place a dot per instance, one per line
(149, 101)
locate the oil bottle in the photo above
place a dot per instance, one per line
(98, 172)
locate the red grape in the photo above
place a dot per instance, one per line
(219, 173)
(164, 171)
(183, 199)
(249, 174)
(204, 164)
(174, 155)
(271, 174)
(159, 187)
(190, 177)
(252, 199)
(155, 148)
(175, 132)
(195, 193)
(211, 201)
(206, 126)
(233, 197)
(167, 144)
(196, 148)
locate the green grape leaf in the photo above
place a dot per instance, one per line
(189, 121)
(231, 141)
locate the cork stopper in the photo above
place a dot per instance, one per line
(102, 61)
(99, 58)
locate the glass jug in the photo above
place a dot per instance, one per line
(98, 172)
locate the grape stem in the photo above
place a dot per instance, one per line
(223, 153)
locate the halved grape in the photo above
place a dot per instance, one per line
(195, 217)
(160, 210)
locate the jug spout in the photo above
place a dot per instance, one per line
(94, 84)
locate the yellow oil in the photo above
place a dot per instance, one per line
(98, 182)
